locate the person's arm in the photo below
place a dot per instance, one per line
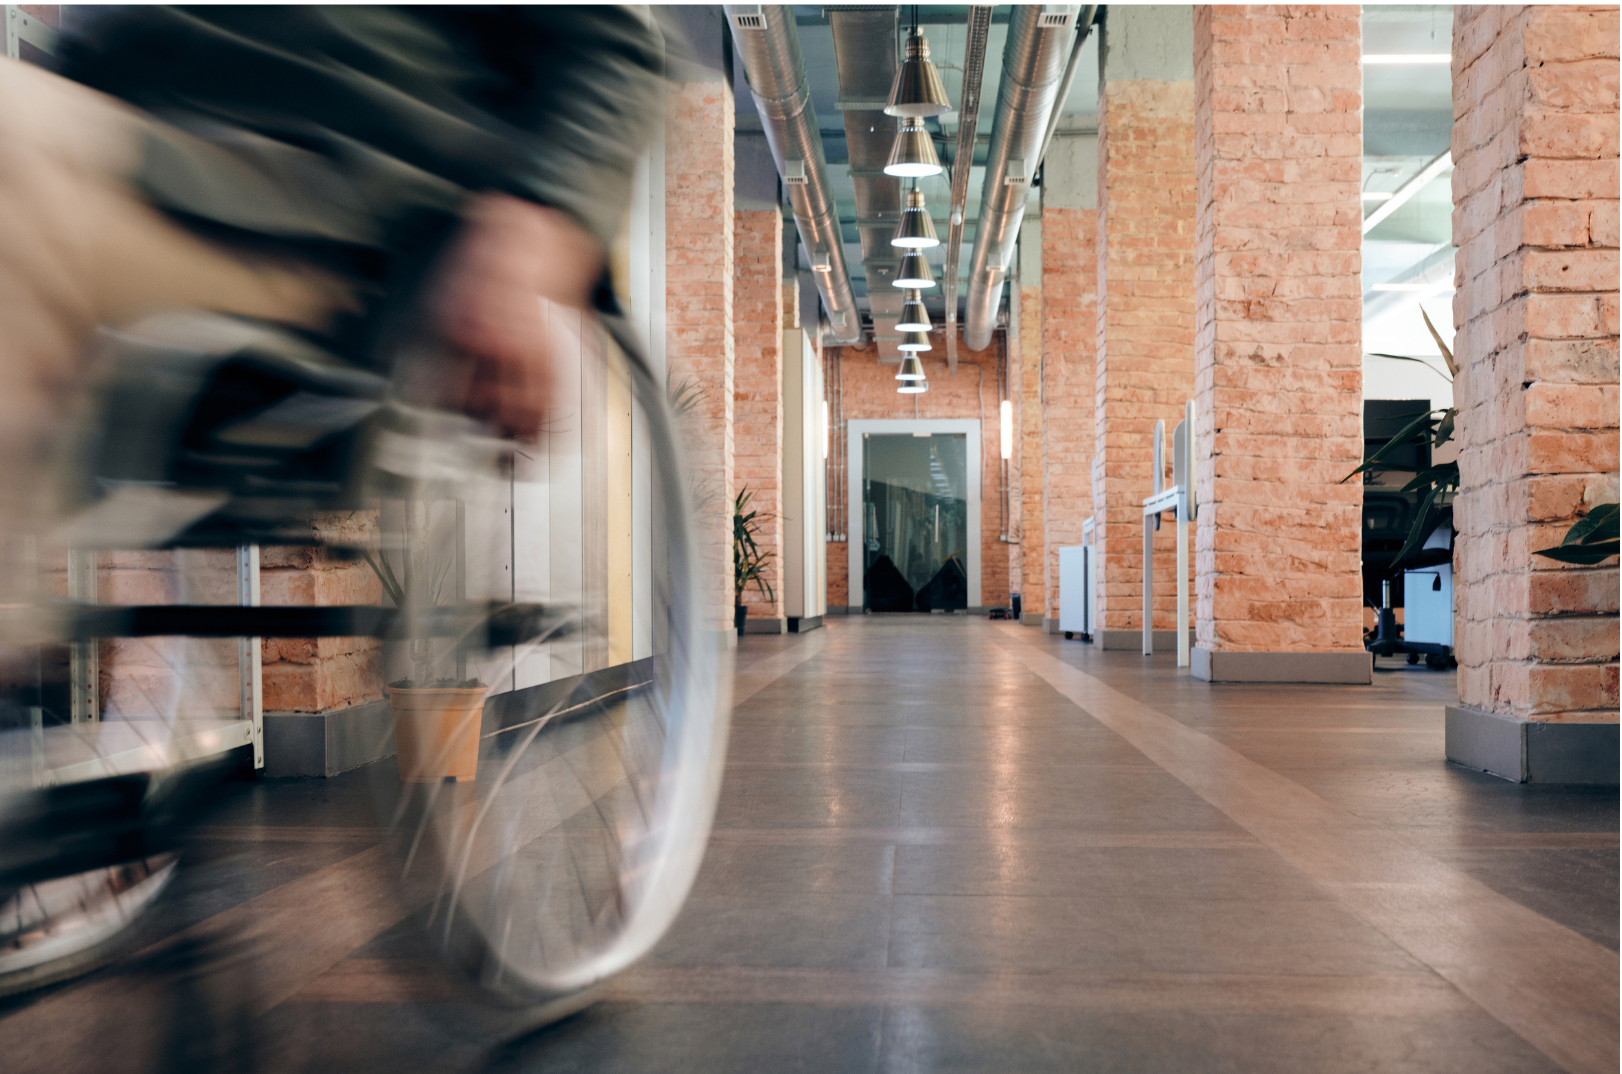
(509, 255)
(588, 94)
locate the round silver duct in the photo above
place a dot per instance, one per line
(776, 73)
(1032, 68)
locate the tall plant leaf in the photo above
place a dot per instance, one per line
(1429, 513)
(1426, 422)
(1416, 361)
(1593, 539)
(1447, 355)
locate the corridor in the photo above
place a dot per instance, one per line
(947, 844)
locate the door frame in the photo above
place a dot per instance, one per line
(856, 429)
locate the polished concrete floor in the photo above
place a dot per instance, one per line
(946, 844)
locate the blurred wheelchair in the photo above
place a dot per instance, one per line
(559, 734)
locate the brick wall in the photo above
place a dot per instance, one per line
(319, 674)
(1278, 131)
(838, 575)
(757, 325)
(1535, 220)
(1145, 348)
(698, 312)
(1028, 451)
(1069, 339)
(869, 392)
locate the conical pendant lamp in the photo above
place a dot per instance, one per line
(914, 272)
(913, 154)
(914, 341)
(914, 317)
(916, 230)
(911, 368)
(917, 89)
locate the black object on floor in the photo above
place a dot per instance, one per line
(887, 589)
(948, 590)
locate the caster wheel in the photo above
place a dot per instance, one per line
(1413, 658)
(1067, 635)
(1438, 663)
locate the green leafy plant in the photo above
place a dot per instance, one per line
(685, 397)
(749, 560)
(1438, 482)
(1592, 540)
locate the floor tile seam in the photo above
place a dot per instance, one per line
(1438, 733)
(1589, 841)
(1575, 1035)
(1384, 996)
(933, 766)
(1179, 840)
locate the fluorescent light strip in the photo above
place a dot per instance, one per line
(1408, 190)
(1393, 58)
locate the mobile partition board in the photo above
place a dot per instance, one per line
(1180, 498)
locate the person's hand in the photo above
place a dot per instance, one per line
(510, 255)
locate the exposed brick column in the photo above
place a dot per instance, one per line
(1145, 242)
(757, 314)
(698, 311)
(1278, 131)
(1535, 220)
(321, 674)
(1069, 381)
(1028, 451)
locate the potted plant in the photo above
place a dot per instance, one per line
(749, 560)
(436, 718)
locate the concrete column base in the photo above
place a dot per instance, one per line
(1527, 751)
(799, 624)
(1216, 665)
(327, 743)
(1165, 640)
(764, 625)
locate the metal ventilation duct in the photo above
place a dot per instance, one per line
(1033, 65)
(864, 50)
(770, 46)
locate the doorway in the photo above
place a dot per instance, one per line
(915, 504)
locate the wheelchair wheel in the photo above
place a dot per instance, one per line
(555, 781)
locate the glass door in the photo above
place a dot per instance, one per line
(915, 522)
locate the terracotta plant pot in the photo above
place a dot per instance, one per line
(437, 731)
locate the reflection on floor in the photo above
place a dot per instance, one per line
(946, 844)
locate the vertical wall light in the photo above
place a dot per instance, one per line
(827, 430)
(1006, 414)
